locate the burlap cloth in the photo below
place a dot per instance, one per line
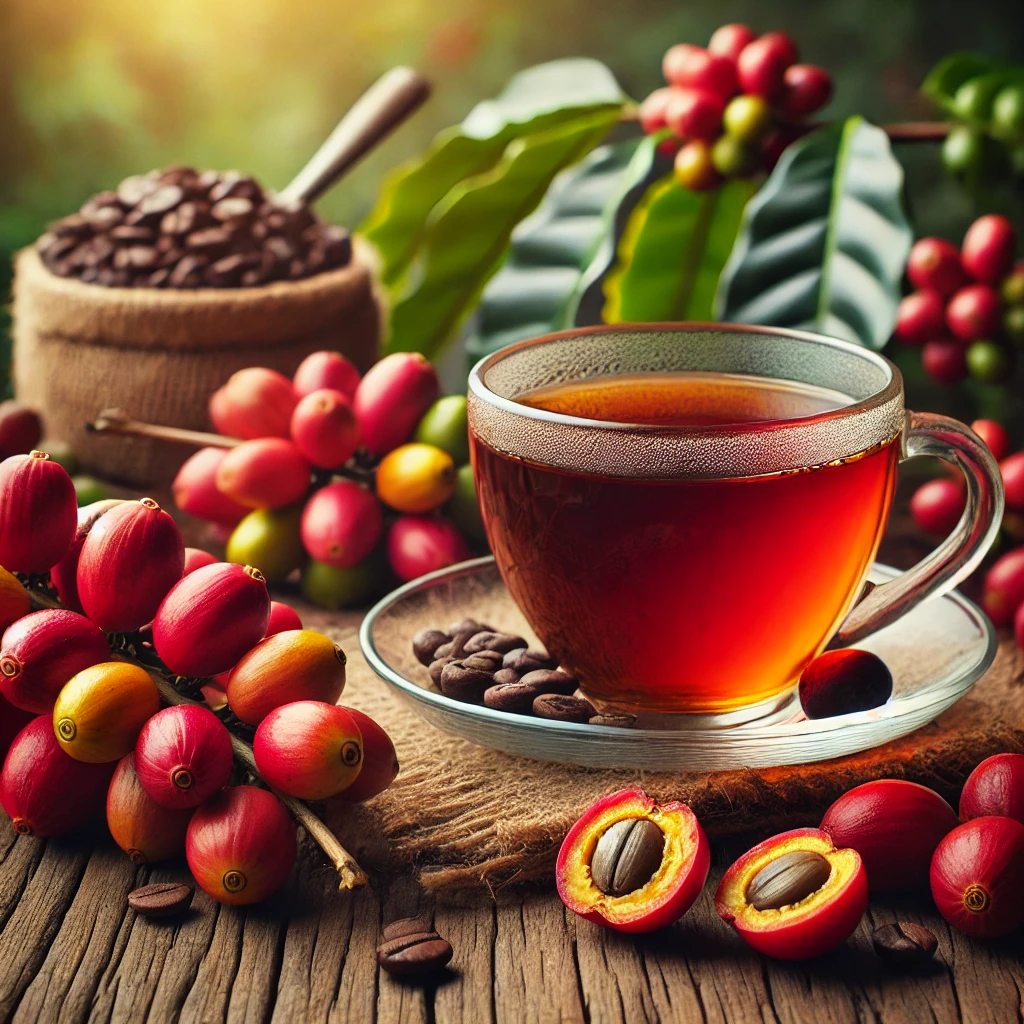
(461, 816)
(159, 354)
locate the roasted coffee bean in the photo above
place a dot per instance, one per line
(788, 879)
(524, 659)
(136, 257)
(456, 646)
(490, 641)
(220, 216)
(161, 899)
(507, 675)
(133, 190)
(407, 926)
(133, 234)
(488, 661)
(470, 626)
(158, 279)
(436, 667)
(627, 856)
(551, 681)
(904, 943)
(465, 683)
(560, 708)
(411, 953)
(615, 721)
(426, 642)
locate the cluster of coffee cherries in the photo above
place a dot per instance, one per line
(735, 106)
(968, 310)
(633, 865)
(354, 480)
(141, 618)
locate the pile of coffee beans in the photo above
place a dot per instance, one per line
(475, 663)
(183, 228)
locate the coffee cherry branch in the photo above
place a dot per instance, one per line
(347, 867)
(114, 421)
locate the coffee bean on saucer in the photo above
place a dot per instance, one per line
(161, 899)
(436, 667)
(488, 661)
(515, 698)
(465, 683)
(506, 675)
(490, 641)
(552, 681)
(616, 721)
(904, 943)
(560, 708)
(426, 642)
(456, 646)
(409, 953)
(524, 659)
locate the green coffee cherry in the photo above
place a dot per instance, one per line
(88, 489)
(732, 157)
(747, 118)
(987, 362)
(334, 588)
(464, 506)
(963, 149)
(269, 539)
(1013, 324)
(1008, 112)
(1012, 288)
(973, 100)
(444, 425)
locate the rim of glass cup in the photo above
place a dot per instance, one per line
(892, 388)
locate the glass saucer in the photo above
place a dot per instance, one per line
(936, 653)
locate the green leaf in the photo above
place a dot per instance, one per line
(824, 243)
(468, 232)
(558, 252)
(535, 100)
(951, 72)
(672, 252)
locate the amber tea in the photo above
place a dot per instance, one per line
(686, 594)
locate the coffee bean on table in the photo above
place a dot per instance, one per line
(904, 943)
(161, 899)
(465, 683)
(490, 641)
(524, 660)
(426, 642)
(560, 708)
(407, 953)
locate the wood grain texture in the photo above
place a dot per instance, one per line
(71, 951)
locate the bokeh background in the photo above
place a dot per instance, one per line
(93, 90)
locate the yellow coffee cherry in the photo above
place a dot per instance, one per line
(416, 478)
(101, 711)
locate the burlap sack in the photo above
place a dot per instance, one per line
(158, 355)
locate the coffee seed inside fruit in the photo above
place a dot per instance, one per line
(627, 856)
(161, 899)
(904, 943)
(788, 879)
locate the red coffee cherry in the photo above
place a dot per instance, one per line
(974, 312)
(938, 505)
(652, 110)
(988, 249)
(995, 436)
(1004, 587)
(921, 317)
(761, 67)
(1012, 470)
(944, 360)
(935, 263)
(805, 89)
(695, 114)
(730, 40)
(695, 68)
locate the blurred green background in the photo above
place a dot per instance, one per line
(94, 90)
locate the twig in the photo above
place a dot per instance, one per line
(349, 871)
(114, 421)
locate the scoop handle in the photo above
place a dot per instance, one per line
(384, 106)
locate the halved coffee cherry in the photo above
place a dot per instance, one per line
(795, 895)
(632, 865)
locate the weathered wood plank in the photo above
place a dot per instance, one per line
(468, 995)
(66, 982)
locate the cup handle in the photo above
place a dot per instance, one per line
(962, 551)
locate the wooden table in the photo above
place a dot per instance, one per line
(70, 950)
